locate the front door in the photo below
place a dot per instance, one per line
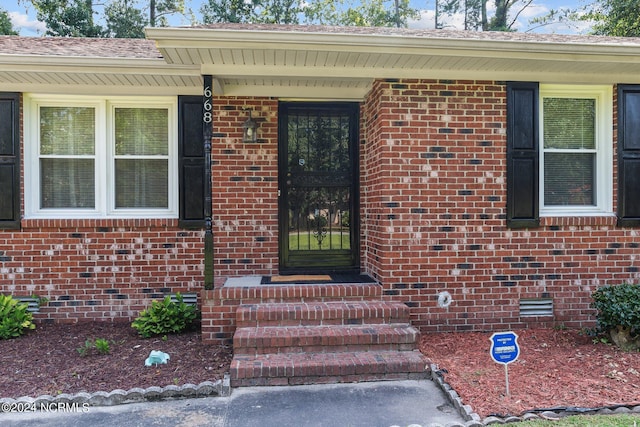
(318, 170)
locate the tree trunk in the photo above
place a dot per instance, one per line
(152, 13)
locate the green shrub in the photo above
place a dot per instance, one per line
(165, 317)
(100, 344)
(619, 313)
(14, 318)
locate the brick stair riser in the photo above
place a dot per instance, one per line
(341, 367)
(290, 381)
(332, 313)
(324, 349)
(324, 340)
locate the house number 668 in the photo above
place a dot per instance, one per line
(207, 116)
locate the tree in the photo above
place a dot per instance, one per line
(123, 21)
(67, 18)
(376, 13)
(6, 27)
(324, 12)
(615, 17)
(75, 18)
(234, 11)
(160, 9)
(476, 15)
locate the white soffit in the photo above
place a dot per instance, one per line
(82, 75)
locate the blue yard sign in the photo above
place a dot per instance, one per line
(504, 347)
(504, 350)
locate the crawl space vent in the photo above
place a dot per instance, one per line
(190, 298)
(536, 307)
(32, 303)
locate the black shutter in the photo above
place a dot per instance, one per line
(522, 155)
(628, 155)
(191, 161)
(9, 160)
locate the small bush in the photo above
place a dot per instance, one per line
(165, 317)
(100, 344)
(14, 318)
(619, 313)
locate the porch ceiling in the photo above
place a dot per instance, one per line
(342, 63)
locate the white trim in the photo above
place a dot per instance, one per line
(603, 96)
(104, 156)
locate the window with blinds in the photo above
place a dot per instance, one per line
(67, 157)
(141, 157)
(576, 133)
(569, 144)
(101, 157)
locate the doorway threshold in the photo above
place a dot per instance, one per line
(298, 279)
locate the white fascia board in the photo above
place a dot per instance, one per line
(85, 65)
(362, 43)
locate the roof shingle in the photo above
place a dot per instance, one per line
(79, 47)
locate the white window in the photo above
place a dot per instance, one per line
(576, 175)
(94, 158)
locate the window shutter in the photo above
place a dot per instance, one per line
(522, 155)
(9, 160)
(191, 161)
(628, 155)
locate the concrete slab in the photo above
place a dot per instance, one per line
(245, 281)
(383, 404)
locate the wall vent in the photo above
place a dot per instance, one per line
(536, 307)
(188, 298)
(33, 305)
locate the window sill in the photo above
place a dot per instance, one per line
(579, 221)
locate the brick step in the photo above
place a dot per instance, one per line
(246, 293)
(324, 368)
(324, 339)
(321, 313)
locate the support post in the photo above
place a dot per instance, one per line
(207, 132)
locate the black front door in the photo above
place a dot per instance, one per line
(318, 170)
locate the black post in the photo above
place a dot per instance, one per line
(207, 131)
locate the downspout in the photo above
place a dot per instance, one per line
(207, 133)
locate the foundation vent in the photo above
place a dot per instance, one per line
(33, 305)
(188, 298)
(536, 307)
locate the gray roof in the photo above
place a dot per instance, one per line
(146, 49)
(428, 33)
(79, 47)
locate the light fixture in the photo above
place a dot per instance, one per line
(250, 130)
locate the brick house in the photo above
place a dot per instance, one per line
(484, 180)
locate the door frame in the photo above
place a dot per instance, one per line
(353, 109)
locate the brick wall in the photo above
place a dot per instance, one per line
(434, 197)
(99, 269)
(245, 189)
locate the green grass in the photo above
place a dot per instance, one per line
(625, 420)
(301, 241)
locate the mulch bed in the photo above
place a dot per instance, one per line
(46, 360)
(555, 368)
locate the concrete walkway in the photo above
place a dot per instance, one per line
(384, 404)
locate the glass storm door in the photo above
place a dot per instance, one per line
(318, 170)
